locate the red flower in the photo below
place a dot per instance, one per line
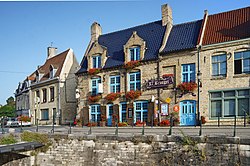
(131, 64)
(94, 71)
(187, 86)
(165, 123)
(138, 122)
(94, 98)
(112, 96)
(132, 95)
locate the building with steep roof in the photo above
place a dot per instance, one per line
(49, 92)
(148, 72)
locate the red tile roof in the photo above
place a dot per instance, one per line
(227, 26)
(56, 61)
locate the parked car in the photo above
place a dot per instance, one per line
(12, 122)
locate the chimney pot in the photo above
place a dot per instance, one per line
(96, 31)
(52, 51)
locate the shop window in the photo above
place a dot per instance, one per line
(95, 112)
(123, 110)
(141, 111)
(229, 103)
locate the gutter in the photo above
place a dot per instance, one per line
(228, 42)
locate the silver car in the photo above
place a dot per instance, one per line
(12, 122)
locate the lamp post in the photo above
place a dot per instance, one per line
(199, 81)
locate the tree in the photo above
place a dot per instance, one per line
(8, 109)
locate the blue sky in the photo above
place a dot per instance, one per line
(28, 28)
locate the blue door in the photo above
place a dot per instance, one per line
(109, 114)
(188, 113)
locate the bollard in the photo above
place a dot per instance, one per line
(245, 118)
(90, 128)
(21, 126)
(218, 119)
(53, 125)
(70, 127)
(142, 132)
(2, 125)
(171, 124)
(200, 132)
(116, 130)
(234, 126)
(36, 125)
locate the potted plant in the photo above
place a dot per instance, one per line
(132, 95)
(131, 64)
(94, 98)
(165, 123)
(92, 124)
(140, 123)
(186, 87)
(94, 71)
(112, 96)
(203, 119)
(103, 121)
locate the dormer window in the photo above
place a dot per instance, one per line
(37, 76)
(96, 61)
(134, 53)
(52, 72)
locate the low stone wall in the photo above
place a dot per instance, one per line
(140, 150)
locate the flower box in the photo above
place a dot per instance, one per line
(132, 95)
(122, 124)
(165, 123)
(140, 123)
(92, 124)
(112, 96)
(131, 64)
(187, 86)
(94, 71)
(94, 98)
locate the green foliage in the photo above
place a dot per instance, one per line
(11, 101)
(7, 110)
(9, 139)
(37, 137)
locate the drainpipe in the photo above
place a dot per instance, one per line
(158, 89)
(199, 81)
(59, 100)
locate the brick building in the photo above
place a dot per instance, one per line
(143, 72)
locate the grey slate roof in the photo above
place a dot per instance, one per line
(182, 36)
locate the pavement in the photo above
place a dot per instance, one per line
(228, 131)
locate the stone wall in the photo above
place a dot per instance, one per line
(140, 150)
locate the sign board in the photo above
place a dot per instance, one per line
(130, 112)
(164, 109)
(168, 100)
(161, 83)
(176, 108)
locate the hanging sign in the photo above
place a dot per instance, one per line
(161, 83)
(176, 108)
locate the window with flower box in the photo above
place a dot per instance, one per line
(219, 65)
(188, 72)
(95, 113)
(134, 54)
(96, 61)
(115, 84)
(229, 103)
(242, 62)
(135, 81)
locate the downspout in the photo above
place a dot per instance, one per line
(198, 65)
(158, 89)
(59, 101)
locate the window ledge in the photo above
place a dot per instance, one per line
(218, 77)
(241, 75)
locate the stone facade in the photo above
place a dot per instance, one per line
(60, 101)
(138, 150)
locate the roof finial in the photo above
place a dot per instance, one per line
(51, 43)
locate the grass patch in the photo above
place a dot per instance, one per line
(9, 139)
(37, 137)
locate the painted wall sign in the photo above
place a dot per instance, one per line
(164, 109)
(161, 83)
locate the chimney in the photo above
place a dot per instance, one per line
(96, 31)
(52, 51)
(166, 13)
